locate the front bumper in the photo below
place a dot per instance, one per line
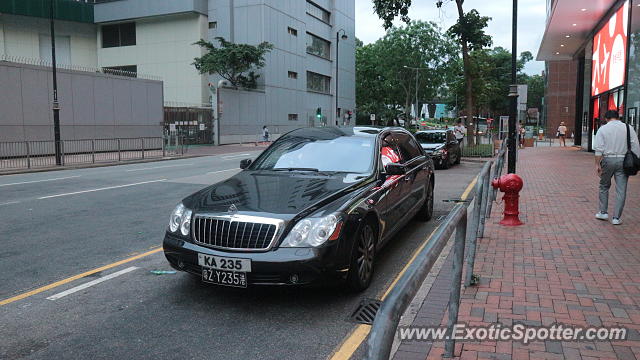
(274, 267)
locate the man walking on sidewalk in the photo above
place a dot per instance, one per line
(610, 147)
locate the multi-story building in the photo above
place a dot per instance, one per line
(592, 55)
(303, 72)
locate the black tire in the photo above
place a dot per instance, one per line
(426, 212)
(445, 163)
(458, 158)
(362, 259)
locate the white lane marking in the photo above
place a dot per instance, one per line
(221, 171)
(100, 189)
(235, 156)
(159, 167)
(9, 203)
(37, 181)
(91, 283)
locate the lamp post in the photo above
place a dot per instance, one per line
(344, 37)
(513, 94)
(417, 69)
(56, 105)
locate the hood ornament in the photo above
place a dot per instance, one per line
(233, 209)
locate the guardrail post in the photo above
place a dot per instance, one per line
(119, 155)
(486, 188)
(142, 148)
(93, 151)
(454, 297)
(28, 155)
(62, 152)
(475, 220)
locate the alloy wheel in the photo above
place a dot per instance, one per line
(366, 253)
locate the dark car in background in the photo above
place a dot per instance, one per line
(318, 203)
(442, 146)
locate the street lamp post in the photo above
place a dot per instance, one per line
(56, 105)
(417, 69)
(344, 37)
(513, 94)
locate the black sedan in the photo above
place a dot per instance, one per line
(442, 146)
(318, 204)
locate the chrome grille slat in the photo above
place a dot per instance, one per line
(230, 232)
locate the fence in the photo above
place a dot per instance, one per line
(394, 305)
(36, 154)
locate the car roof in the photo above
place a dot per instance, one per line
(432, 131)
(330, 132)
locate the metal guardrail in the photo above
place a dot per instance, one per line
(394, 305)
(37, 154)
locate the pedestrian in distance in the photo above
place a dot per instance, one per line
(610, 148)
(562, 134)
(265, 134)
(459, 131)
(521, 132)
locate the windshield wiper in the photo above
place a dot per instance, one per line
(296, 169)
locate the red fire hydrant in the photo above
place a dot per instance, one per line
(510, 185)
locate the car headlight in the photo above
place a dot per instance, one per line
(180, 219)
(437, 152)
(313, 231)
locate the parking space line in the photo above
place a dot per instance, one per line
(353, 341)
(9, 203)
(91, 283)
(37, 181)
(100, 189)
(159, 167)
(76, 277)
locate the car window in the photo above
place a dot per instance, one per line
(436, 137)
(409, 146)
(351, 154)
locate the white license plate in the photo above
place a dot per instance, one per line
(224, 263)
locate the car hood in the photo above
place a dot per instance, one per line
(432, 147)
(272, 194)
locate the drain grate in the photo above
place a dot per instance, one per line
(456, 200)
(366, 311)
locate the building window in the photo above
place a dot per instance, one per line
(318, 46)
(213, 25)
(293, 117)
(292, 31)
(119, 35)
(124, 70)
(318, 12)
(293, 75)
(318, 82)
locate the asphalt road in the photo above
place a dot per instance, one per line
(58, 225)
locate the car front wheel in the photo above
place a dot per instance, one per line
(426, 212)
(362, 259)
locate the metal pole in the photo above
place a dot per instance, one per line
(454, 297)
(143, 148)
(473, 231)
(337, 73)
(486, 188)
(28, 155)
(513, 93)
(417, 111)
(119, 156)
(93, 151)
(56, 106)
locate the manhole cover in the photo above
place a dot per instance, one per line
(366, 311)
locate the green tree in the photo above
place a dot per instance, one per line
(536, 91)
(385, 82)
(468, 31)
(233, 62)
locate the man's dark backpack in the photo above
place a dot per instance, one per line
(631, 162)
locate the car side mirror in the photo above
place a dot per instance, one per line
(395, 169)
(245, 163)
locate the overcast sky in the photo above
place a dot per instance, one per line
(531, 22)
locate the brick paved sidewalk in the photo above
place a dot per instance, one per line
(562, 266)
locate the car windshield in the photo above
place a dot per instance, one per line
(431, 137)
(347, 154)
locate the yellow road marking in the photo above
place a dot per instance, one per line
(76, 277)
(360, 332)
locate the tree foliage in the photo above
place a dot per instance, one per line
(233, 62)
(385, 82)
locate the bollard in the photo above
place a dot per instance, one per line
(454, 297)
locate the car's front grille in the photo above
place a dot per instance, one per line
(234, 232)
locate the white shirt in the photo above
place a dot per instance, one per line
(562, 130)
(611, 139)
(459, 131)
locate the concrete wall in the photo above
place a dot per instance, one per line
(23, 36)
(164, 47)
(93, 105)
